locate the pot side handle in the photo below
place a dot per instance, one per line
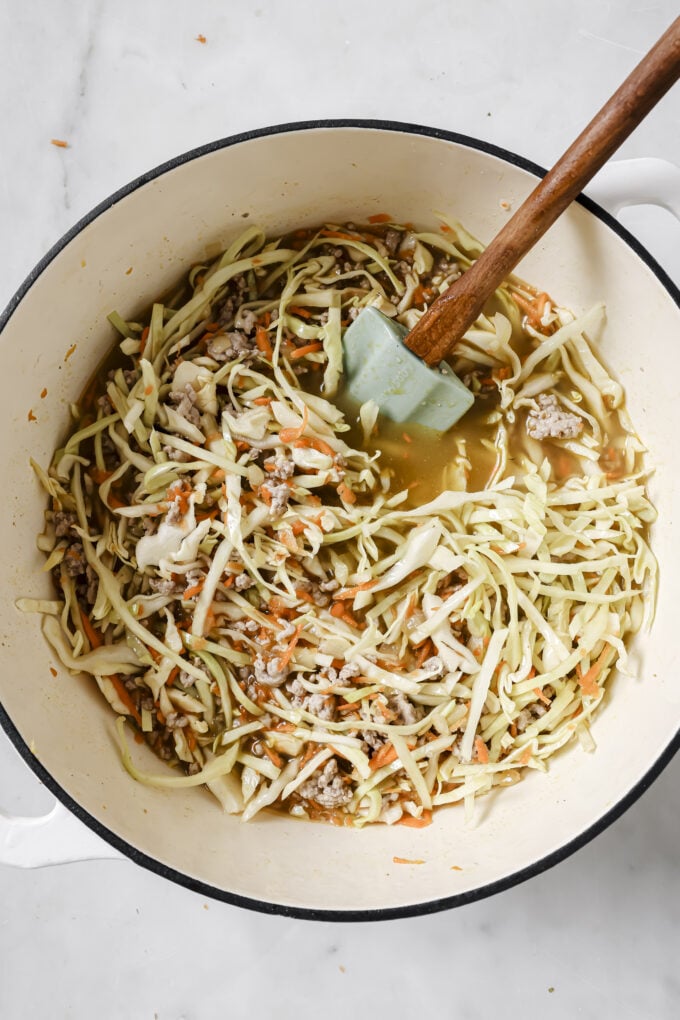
(55, 838)
(644, 181)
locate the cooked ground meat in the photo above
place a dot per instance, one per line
(321, 705)
(279, 469)
(550, 421)
(184, 401)
(74, 560)
(279, 496)
(529, 715)
(406, 710)
(269, 671)
(63, 522)
(227, 346)
(327, 788)
(243, 582)
(164, 586)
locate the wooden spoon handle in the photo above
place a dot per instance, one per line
(443, 325)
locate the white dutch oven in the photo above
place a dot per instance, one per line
(287, 177)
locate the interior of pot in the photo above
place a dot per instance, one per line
(133, 251)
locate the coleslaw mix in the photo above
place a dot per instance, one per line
(259, 596)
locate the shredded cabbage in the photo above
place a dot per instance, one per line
(250, 584)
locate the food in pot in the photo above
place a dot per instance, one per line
(301, 605)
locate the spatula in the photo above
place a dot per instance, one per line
(405, 372)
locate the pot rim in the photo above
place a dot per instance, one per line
(262, 905)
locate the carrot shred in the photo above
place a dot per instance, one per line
(541, 696)
(381, 217)
(285, 658)
(194, 589)
(59, 143)
(383, 756)
(588, 680)
(93, 636)
(408, 860)
(349, 593)
(275, 758)
(190, 738)
(416, 823)
(263, 401)
(304, 313)
(345, 493)
(124, 696)
(482, 751)
(301, 352)
(290, 435)
(263, 342)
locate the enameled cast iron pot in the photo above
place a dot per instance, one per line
(285, 177)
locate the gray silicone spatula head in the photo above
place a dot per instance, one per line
(379, 367)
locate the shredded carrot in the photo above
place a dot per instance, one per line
(349, 593)
(405, 436)
(588, 680)
(194, 589)
(312, 443)
(275, 758)
(93, 636)
(59, 142)
(31, 416)
(339, 234)
(304, 313)
(345, 493)
(124, 696)
(482, 751)
(144, 338)
(424, 652)
(383, 756)
(53, 671)
(380, 217)
(263, 401)
(525, 757)
(290, 435)
(301, 352)
(304, 596)
(263, 342)
(416, 823)
(285, 658)
(408, 860)
(201, 39)
(172, 675)
(190, 738)
(541, 696)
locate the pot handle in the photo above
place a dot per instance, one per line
(644, 181)
(55, 838)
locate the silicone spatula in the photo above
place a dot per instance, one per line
(406, 373)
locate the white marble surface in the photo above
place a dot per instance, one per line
(127, 85)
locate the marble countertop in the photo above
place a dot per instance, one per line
(128, 84)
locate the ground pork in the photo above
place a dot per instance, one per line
(243, 582)
(63, 522)
(550, 421)
(280, 468)
(227, 346)
(327, 787)
(280, 494)
(74, 560)
(405, 709)
(529, 715)
(269, 671)
(321, 705)
(185, 401)
(164, 586)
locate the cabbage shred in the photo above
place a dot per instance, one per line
(266, 606)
